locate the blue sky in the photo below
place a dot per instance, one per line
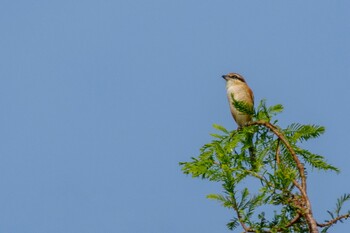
(100, 100)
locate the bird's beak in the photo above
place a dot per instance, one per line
(224, 77)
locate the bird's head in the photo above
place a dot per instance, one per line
(233, 77)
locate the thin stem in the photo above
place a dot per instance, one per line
(294, 220)
(246, 229)
(333, 221)
(278, 152)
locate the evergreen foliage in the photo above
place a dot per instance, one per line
(279, 172)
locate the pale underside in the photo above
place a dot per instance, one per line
(241, 92)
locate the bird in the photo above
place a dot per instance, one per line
(237, 87)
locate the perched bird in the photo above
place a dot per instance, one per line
(237, 87)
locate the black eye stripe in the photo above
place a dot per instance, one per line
(234, 76)
(237, 77)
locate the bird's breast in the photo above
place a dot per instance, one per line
(240, 93)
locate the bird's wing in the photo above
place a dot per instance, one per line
(251, 94)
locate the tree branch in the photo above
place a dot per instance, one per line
(333, 221)
(300, 166)
(292, 222)
(246, 229)
(307, 210)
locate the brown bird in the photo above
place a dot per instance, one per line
(237, 86)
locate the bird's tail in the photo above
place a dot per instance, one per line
(252, 152)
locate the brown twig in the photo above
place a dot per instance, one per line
(292, 222)
(245, 227)
(333, 221)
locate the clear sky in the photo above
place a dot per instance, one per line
(100, 100)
